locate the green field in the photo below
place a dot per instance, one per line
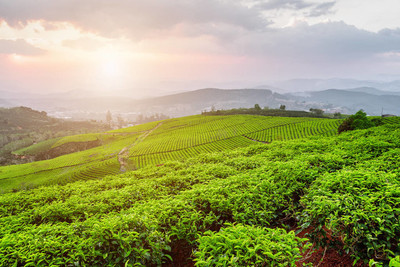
(154, 143)
(236, 207)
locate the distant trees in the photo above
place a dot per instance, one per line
(155, 117)
(257, 110)
(108, 117)
(121, 121)
(316, 111)
(337, 115)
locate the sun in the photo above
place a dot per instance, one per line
(111, 68)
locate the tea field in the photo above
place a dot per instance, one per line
(236, 207)
(153, 144)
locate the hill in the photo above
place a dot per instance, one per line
(370, 100)
(23, 126)
(152, 144)
(175, 105)
(241, 207)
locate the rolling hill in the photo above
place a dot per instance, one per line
(23, 126)
(152, 144)
(255, 197)
(371, 100)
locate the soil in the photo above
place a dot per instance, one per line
(181, 253)
(123, 155)
(326, 257)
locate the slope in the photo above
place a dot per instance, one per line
(147, 144)
(341, 187)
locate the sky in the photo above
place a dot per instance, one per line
(146, 47)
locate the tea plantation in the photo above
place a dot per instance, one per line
(229, 207)
(152, 144)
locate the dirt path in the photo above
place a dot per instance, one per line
(123, 155)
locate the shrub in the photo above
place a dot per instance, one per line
(243, 245)
(355, 122)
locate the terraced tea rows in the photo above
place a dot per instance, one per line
(233, 208)
(157, 142)
(297, 130)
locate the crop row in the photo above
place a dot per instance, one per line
(210, 130)
(158, 158)
(167, 140)
(345, 186)
(297, 130)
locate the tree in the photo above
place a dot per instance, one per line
(257, 107)
(121, 121)
(108, 117)
(355, 122)
(316, 111)
(337, 115)
(282, 107)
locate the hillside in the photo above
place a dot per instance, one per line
(152, 144)
(174, 105)
(371, 100)
(87, 105)
(22, 126)
(247, 206)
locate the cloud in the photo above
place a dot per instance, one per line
(314, 9)
(84, 43)
(325, 49)
(285, 4)
(322, 9)
(135, 19)
(20, 47)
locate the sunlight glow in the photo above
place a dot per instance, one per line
(111, 68)
(111, 63)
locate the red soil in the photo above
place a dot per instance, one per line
(326, 257)
(181, 253)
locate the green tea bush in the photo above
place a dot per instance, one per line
(243, 245)
(361, 208)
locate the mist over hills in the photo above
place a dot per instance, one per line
(375, 102)
(333, 95)
(301, 85)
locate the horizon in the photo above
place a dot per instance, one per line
(148, 48)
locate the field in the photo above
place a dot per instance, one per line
(239, 207)
(153, 144)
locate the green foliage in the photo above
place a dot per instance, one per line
(280, 112)
(356, 122)
(243, 245)
(316, 111)
(395, 262)
(360, 207)
(344, 187)
(153, 144)
(37, 148)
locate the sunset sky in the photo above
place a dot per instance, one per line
(158, 46)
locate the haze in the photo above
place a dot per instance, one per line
(148, 47)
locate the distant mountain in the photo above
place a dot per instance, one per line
(372, 91)
(301, 85)
(194, 102)
(87, 105)
(371, 100)
(84, 106)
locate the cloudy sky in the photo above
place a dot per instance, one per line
(149, 46)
